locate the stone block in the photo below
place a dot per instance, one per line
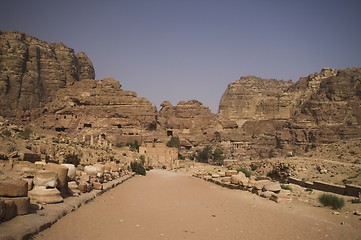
(90, 170)
(267, 194)
(100, 169)
(281, 198)
(13, 188)
(62, 174)
(22, 204)
(46, 178)
(229, 173)
(261, 183)
(226, 179)
(9, 210)
(71, 171)
(97, 186)
(83, 187)
(273, 187)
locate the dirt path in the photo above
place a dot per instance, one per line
(165, 205)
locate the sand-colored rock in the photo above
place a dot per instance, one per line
(46, 178)
(13, 188)
(22, 204)
(45, 195)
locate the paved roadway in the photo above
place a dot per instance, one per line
(165, 205)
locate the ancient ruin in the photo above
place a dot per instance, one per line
(63, 133)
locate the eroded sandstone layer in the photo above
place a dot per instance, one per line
(32, 70)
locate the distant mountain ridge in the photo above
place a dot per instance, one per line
(50, 85)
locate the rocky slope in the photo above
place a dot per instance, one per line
(33, 70)
(191, 121)
(101, 110)
(266, 118)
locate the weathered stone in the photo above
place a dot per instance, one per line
(62, 174)
(34, 70)
(99, 169)
(13, 188)
(71, 171)
(46, 178)
(215, 175)
(97, 186)
(90, 170)
(236, 179)
(259, 185)
(267, 194)
(22, 204)
(280, 198)
(226, 179)
(231, 172)
(45, 195)
(273, 187)
(9, 210)
(83, 187)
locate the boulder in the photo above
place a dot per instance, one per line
(229, 173)
(90, 169)
(261, 183)
(13, 188)
(235, 179)
(273, 187)
(41, 194)
(266, 194)
(100, 169)
(46, 178)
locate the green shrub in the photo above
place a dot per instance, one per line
(204, 155)
(6, 133)
(332, 200)
(246, 172)
(134, 146)
(286, 187)
(26, 133)
(174, 142)
(138, 168)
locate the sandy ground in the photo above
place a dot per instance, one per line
(166, 205)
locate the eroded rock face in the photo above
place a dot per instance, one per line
(253, 98)
(31, 71)
(100, 110)
(191, 121)
(266, 118)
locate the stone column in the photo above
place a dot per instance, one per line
(91, 140)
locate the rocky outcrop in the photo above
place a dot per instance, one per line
(266, 118)
(253, 98)
(191, 121)
(33, 70)
(100, 110)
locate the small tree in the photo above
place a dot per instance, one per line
(204, 155)
(174, 142)
(134, 146)
(138, 168)
(218, 156)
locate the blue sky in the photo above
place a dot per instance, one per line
(192, 49)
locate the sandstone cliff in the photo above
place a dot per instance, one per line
(33, 70)
(266, 118)
(191, 121)
(102, 109)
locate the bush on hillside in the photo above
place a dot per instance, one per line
(332, 200)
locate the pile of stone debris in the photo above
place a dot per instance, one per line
(25, 187)
(237, 180)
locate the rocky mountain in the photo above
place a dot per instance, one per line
(191, 121)
(32, 70)
(266, 118)
(102, 109)
(50, 86)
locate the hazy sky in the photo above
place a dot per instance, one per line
(192, 49)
